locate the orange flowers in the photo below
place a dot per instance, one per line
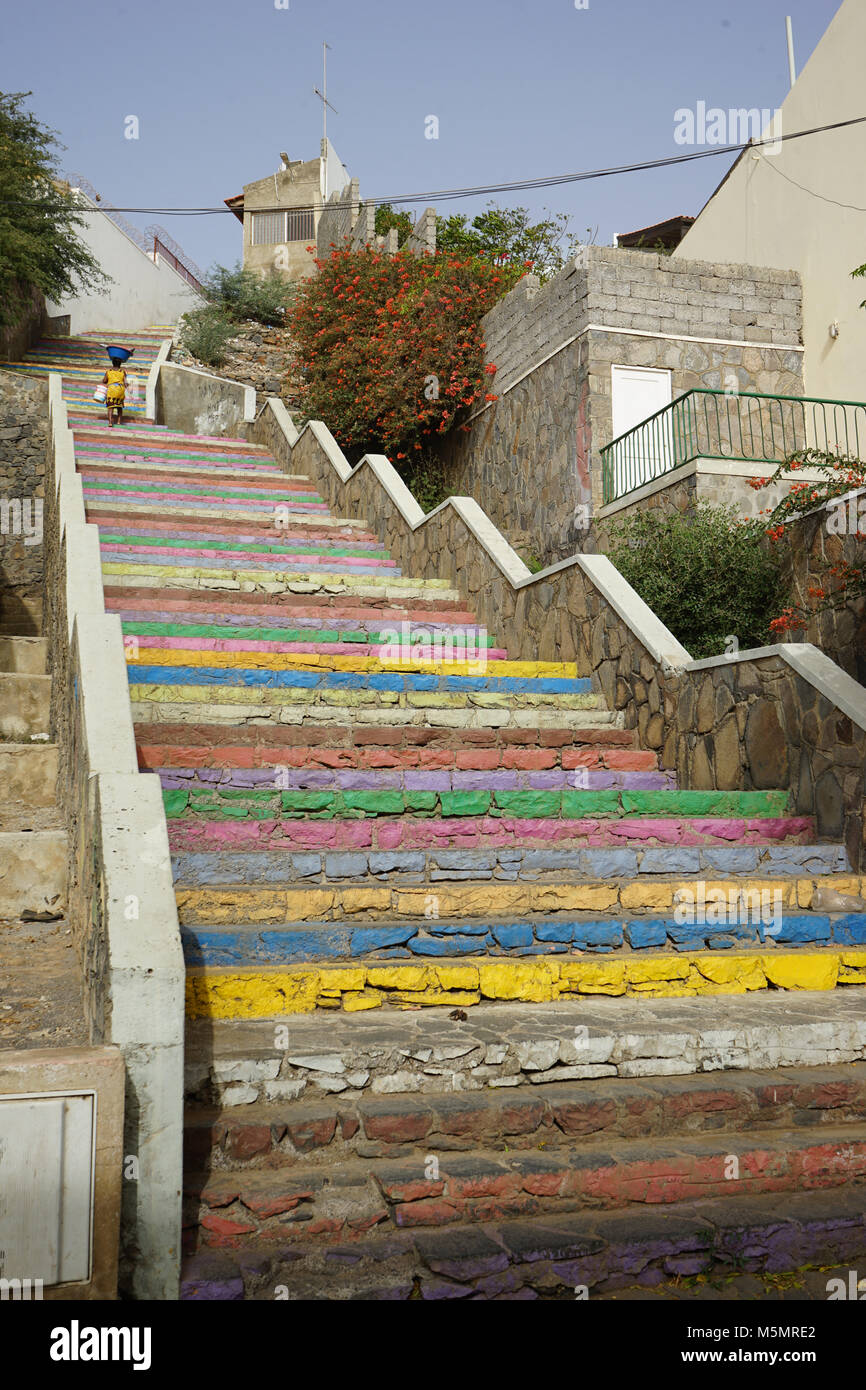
(391, 346)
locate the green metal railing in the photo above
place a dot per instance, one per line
(749, 426)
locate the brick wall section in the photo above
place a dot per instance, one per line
(531, 459)
(23, 445)
(749, 723)
(700, 299)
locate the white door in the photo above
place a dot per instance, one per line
(636, 393)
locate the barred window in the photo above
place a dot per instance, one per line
(290, 224)
(299, 226)
(268, 228)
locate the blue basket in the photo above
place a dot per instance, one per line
(119, 354)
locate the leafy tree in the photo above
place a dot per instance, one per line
(386, 218)
(39, 217)
(508, 236)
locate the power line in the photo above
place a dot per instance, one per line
(521, 185)
(822, 197)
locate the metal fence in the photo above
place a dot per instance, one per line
(747, 425)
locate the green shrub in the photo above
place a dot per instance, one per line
(204, 333)
(706, 574)
(244, 294)
(426, 480)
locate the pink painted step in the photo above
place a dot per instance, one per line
(406, 833)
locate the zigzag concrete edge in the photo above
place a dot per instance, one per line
(583, 609)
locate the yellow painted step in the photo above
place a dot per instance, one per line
(219, 906)
(226, 992)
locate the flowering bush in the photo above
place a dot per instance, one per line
(391, 348)
(842, 474)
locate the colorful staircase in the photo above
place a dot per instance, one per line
(402, 875)
(82, 361)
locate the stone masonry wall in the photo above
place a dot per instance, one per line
(532, 459)
(23, 445)
(16, 337)
(747, 723)
(811, 550)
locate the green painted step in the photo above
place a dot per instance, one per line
(234, 803)
(293, 634)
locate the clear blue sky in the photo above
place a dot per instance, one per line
(522, 88)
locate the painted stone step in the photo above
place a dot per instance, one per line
(251, 496)
(595, 1253)
(406, 780)
(317, 523)
(478, 1186)
(750, 924)
(193, 481)
(197, 704)
(32, 872)
(568, 804)
(362, 671)
(347, 586)
(370, 631)
(143, 425)
(168, 534)
(305, 533)
(144, 438)
(412, 1056)
(456, 902)
(241, 610)
(127, 466)
(95, 506)
(276, 866)
(28, 779)
(282, 557)
(221, 760)
(307, 642)
(158, 438)
(328, 1126)
(25, 656)
(264, 740)
(265, 991)
(25, 706)
(486, 833)
(324, 528)
(363, 674)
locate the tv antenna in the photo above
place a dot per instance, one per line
(323, 94)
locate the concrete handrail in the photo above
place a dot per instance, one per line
(122, 903)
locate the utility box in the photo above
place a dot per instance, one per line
(61, 1130)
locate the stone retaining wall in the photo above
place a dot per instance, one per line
(782, 716)
(23, 445)
(810, 550)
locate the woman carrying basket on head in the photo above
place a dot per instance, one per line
(115, 383)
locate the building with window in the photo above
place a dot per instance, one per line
(281, 213)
